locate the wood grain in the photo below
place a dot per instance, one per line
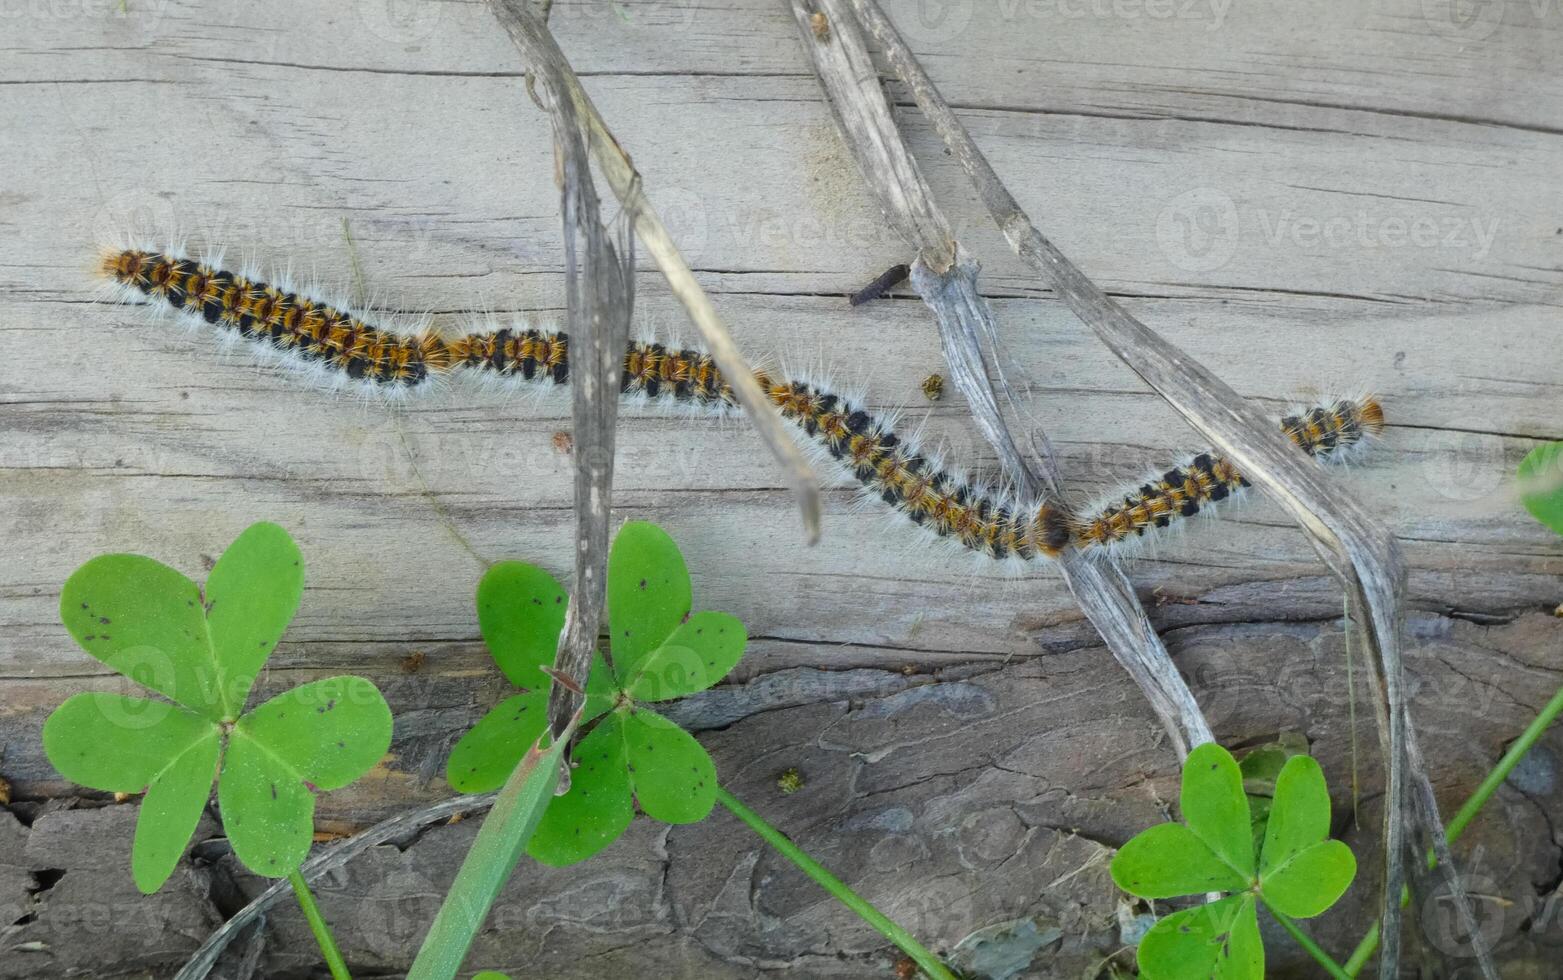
(1311, 198)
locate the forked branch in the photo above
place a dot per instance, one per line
(946, 278)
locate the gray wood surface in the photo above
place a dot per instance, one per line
(1312, 198)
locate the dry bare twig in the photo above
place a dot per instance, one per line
(539, 48)
(600, 291)
(946, 278)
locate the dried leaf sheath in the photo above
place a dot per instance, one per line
(540, 49)
(947, 281)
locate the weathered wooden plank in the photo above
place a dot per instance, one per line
(1311, 198)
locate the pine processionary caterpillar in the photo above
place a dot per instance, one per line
(887, 466)
(1210, 478)
(282, 320)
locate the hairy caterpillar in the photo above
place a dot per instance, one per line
(887, 466)
(314, 332)
(1210, 478)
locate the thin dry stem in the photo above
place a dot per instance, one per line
(946, 278)
(600, 297)
(539, 48)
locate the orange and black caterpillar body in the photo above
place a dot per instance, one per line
(900, 475)
(326, 337)
(287, 322)
(895, 470)
(1210, 478)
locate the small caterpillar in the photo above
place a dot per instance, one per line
(887, 466)
(1210, 478)
(286, 322)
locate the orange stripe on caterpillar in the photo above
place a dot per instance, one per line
(1210, 478)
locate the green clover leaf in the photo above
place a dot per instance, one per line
(1216, 808)
(1302, 872)
(648, 593)
(1261, 766)
(1216, 940)
(633, 755)
(1299, 871)
(521, 611)
(203, 650)
(1541, 484)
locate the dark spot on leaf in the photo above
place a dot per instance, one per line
(105, 636)
(274, 791)
(1184, 929)
(84, 605)
(92, 636)
(558, 599)
(341, 745)
(536, 601)
(642, 583)
(104, 620)
(261, 644)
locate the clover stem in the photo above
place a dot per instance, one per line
(1309, 946)
(1467, 813)
(317, 925)
(931, 965)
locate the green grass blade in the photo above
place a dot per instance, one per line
(931, 964)
(488, 864)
